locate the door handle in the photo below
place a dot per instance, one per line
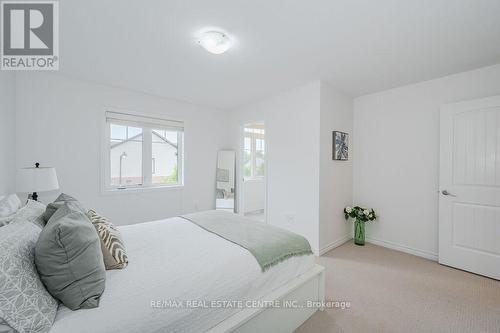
(445, 192)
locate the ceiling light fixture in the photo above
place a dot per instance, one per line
(215, 42)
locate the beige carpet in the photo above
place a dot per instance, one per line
(392, 291)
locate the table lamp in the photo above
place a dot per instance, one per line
(37, 179)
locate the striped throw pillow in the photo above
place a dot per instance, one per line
(113, 249)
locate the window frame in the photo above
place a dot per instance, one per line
(253, 136)
(147, 149)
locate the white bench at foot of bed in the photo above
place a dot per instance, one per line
(309, 286)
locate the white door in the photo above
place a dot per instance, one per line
(253, 171)
(469, 200)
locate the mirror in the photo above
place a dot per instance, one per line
(225, 189)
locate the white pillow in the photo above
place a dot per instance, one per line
(9, 205)
(25, 305)
(31, 212)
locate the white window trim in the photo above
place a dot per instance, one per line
(106, 189)
(253, 137)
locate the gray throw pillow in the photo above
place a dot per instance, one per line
(69, 259)
(4, 328)
(61, 200)
(25, 304)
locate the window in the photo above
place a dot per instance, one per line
(143, 151)
(254, 151)
(165, 155)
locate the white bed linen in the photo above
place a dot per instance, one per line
(174, 259)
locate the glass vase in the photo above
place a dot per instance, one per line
(359, 232)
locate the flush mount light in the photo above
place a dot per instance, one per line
(215, 42)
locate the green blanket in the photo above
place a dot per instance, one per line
(269, 245)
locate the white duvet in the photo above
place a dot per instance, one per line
(174, 259)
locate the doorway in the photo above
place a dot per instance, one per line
(253, 171)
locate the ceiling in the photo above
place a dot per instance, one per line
(358, 46)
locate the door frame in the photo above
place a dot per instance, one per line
(241, 183)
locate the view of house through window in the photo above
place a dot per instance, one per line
(254, 151)
(143, 153)
(165, 156)
(126, 155)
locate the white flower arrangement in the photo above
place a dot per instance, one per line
(360, 213)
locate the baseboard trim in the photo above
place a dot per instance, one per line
(256, 211)
(335, 244)
(404, 248)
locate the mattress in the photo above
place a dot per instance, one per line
(176, 270)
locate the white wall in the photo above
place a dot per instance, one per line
(7, 132)
(306, 190)
(335, 183)
(60, 123)
(292, 126)
(396, 156)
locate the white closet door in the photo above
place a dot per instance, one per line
(469, 201)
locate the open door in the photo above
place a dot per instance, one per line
(469, 200)
(253, 171)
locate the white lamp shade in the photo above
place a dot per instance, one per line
(37, 179)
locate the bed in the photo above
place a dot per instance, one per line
(180, 277)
